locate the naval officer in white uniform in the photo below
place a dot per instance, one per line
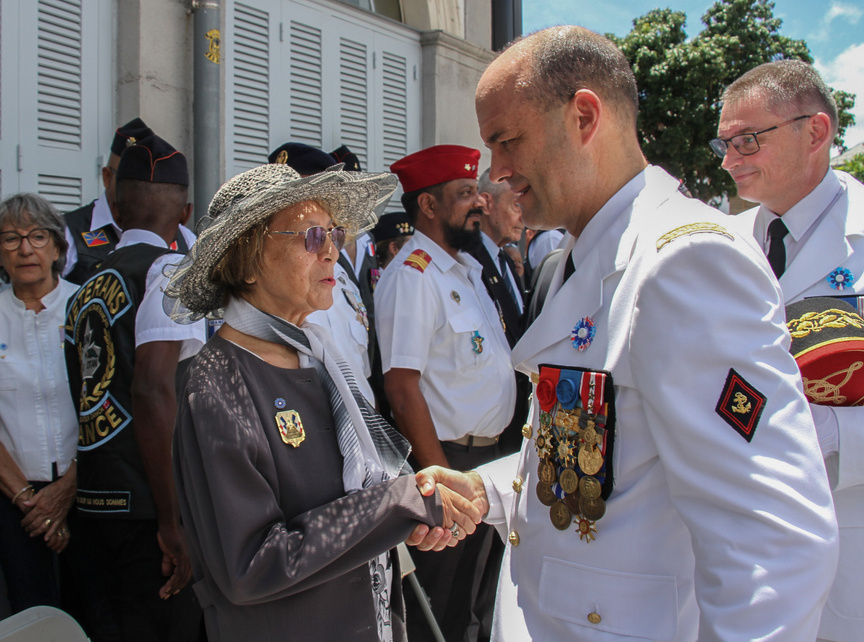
(663, 381)
(784, 166)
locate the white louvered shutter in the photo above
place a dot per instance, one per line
(393, 92)
(337, 76)
(306, 84)
(59, 88)
(354, 85)
(250, 81)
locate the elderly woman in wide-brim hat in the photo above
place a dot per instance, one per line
(292, 490)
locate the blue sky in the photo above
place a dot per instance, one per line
(833, 29)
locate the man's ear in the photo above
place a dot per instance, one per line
(820, 130)
(115, 212)
(426, 202)
(187, 214)
(487, 202)
(583, 113)
(106, 177)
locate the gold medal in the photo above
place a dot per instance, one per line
(590, 459)
(564, 452)
(569, 480)
(543, 443)
(290, 427)
(545, 494)
(571, 500)
(546, 472)
(559, 515)
(586, 532)
(592, 509)
(590, 488)
(589, 435)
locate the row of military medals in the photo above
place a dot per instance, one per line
(571, 446)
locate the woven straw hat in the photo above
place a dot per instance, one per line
(356, 199)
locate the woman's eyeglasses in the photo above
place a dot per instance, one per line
(37, 238)
(316, 236)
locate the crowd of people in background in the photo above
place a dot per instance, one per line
(610, 437)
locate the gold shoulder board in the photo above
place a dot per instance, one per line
(692, 228)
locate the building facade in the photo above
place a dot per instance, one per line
(385, 77)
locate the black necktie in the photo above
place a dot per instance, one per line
(505, 275)
(777, 249)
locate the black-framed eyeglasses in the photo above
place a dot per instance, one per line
(37, 238)
(316, 235)
(746, 144)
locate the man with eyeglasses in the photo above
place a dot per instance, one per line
(446, 360)
(776, 130)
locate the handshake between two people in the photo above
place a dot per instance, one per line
(463, 496)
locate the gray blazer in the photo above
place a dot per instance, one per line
(279, 552)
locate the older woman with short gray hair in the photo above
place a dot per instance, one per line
(38, 426)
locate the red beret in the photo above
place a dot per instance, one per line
(436, 165)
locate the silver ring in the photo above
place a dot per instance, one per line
(47, 522)
(454, 530)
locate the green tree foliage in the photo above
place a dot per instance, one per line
(680, 82)
(854, 166)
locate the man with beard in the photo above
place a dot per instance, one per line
(446, 361)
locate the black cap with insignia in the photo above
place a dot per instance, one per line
(154, 161)
(345, 155)
(129, 134)
(391, 226)
(304, 159)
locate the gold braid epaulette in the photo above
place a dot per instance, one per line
(692, 228)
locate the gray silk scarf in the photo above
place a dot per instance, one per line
(372, 450)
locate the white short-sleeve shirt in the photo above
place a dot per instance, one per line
(151, 321)
(440, 321)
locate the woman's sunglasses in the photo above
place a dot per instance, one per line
(316, 236)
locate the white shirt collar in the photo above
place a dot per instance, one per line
(102, 215)
(801, 216)
(133, 237)
(47, 300)
(490, 246)
(611, 210)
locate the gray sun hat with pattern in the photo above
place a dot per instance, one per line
(356, 200)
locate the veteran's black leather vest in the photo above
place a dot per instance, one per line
(100, 357)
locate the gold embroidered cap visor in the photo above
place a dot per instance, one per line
(828, 345)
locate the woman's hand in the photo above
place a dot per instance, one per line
(57, 537)
(45, 510)
(464, 513)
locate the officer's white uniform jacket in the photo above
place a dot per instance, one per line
(441, 322)
(828, 228)
(706, 536)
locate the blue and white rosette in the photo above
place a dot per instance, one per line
(841, 278)
(583, 334)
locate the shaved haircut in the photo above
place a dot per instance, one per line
(789, 88)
